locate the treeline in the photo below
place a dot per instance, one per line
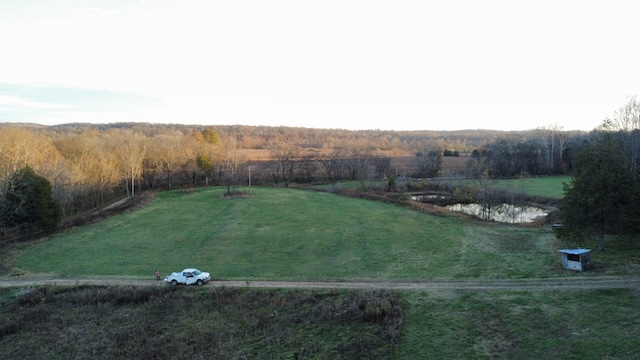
(540, 152)
(264, 137)
(88, 164)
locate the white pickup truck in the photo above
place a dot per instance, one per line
(188, 276)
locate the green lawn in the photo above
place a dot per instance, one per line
(292, 234)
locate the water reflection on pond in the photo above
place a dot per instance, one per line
(503, 213)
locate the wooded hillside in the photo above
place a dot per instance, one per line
(88, 163)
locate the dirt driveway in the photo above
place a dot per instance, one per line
(568, 283)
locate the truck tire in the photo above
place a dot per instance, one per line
(174, 282)
(199, 282)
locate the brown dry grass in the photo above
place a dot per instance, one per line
(216, 323)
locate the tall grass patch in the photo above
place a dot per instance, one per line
(193, 323)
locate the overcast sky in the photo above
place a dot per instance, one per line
(403, 65)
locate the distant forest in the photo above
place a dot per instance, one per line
(88, 164)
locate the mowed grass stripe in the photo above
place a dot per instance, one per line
(290, 234)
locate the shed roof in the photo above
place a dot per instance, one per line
(577, 251)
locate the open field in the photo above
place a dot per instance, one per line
(293, 235)
(546, 186)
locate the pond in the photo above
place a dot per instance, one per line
(505, 213)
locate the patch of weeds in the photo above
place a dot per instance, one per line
(169, 322)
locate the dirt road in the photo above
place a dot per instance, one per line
(570, 283)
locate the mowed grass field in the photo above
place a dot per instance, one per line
(289, 234)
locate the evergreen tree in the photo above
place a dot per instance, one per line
(211, 137)
(599, 198)
(29, 201)
(205, 164)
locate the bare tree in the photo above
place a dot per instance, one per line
(188, 151)
(626, 121)
(503, 157)
(477, 165)
(429, 162)
(233, 165)
(357, 164)
(333, 164)
(163, 156)
(130, 148)
(555, 143)
(285, 157)
(381, 167)
(307, 167)
(564, 140)
(547, 140)
(487, 196)
(92, 168)
(20, 147)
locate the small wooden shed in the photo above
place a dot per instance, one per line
(576, 259)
